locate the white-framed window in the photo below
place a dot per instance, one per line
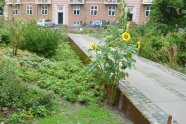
(111, 10)
(76, 22)
(94, 10)
(29, 9)
(44, 10)
(148, 11)
(43, 1)
(15, 10)
(76, 10)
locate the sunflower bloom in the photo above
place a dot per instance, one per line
(92, 46)
(126, 37)
(127, 27)
(139, 45)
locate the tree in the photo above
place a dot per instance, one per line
(121, 14)
(2, 3)
(169, 12)
(14, 30)
(184, 4)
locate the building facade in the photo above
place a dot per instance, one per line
(77, 12)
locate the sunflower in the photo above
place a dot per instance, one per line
(127, 27)
(126, 37)
(92, 46)
(139, 45)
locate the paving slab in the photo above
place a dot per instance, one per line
(176, 108)
(150, 88)
(155, 90)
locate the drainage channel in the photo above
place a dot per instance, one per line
(123, 103)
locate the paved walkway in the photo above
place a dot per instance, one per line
(154, 89)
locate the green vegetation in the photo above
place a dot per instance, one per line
(163, 39)
(2, 2)
(169, 14)
(113, 57)
(74, 114)
(41, 41)
(21, 35)
(169, 49)
(1, 26)
(21, 99)
(33, 86)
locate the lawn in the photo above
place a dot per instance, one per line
(80, 114)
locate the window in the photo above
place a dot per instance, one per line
(15, 10)
(76, 22)
(44, 10)
(43, 1)
(94, 10)
(147, 11)
(112, 10)
(29, 10)
(130, 13)
(76, 10)
(60, 8)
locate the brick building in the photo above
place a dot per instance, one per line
(76, 12)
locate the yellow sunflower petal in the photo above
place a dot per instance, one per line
(126, 37)
(127, 27)
(92, 45)
(139, 45)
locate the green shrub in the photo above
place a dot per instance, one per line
(39, 111)
(161, 44)
(65, 53)
(176, 52)
(153, 48)
(85, 97)
(14, 119)
(63, 74)
(41, 41)
(12, 90)
(169, 12)
(67, 77)
(27, 36)
(4, 39)
(14, 31)
(17, 95)
(169, 49)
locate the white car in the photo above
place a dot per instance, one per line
(99, 23)
(45, 23)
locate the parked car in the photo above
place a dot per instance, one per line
(99, 24)
(45, 23)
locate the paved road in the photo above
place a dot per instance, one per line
(165, 88)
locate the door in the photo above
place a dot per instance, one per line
(60, 18)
